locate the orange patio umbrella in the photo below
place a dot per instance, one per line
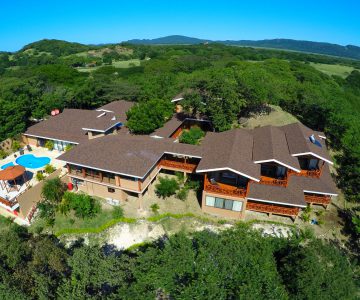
(11, 173)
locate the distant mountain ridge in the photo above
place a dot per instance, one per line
(348, 51)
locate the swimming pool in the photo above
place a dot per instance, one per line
(3, 167)
(30, 161)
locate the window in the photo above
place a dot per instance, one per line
(223, 203)
(237, 206)
(219, 202)
(228, 204)
(210, 201)
(111, 190)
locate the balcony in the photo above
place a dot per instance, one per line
(273, 181)
(307, 173)
(272, 208)
(177, 165)
(11, 204)
(224, 189)
(318, 199)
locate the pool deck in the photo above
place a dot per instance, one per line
(31, 173)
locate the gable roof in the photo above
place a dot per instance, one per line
(322, 185)
(291, 195)
(72, 124)
(298, 140)
(125, 154)
(230, 150)
(270, 144)
(119, 108)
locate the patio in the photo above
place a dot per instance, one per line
(12, 189)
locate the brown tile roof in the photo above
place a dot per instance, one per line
(119, 108)
(68, 126)
(297, 136)
(229, 150)
(270, 144)
(325, 184)
(125, 154)
(169, 127)
(290, 195)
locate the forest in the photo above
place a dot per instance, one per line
(225, 83)
(235, 264)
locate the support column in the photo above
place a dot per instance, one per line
(140, 202)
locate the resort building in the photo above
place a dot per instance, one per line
(274, 170)
(74, 126)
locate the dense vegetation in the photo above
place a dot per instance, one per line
(222, 82)
(236, 264)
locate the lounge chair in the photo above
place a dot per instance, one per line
(21, 151)
(28, 147)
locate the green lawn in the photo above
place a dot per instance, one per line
(64, 222)
(117, 64)
(339, 70)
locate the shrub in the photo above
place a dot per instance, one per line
(83, 205)
(15, 146)
(182, 194)
(49, 169)
(166, 187)
(192, 136)
(68, 147)
(3, 154)
(49, 145)
(180, 177)
(155, 208)
(193, 185)
(40, 176)
(118, 212)
(53, 190)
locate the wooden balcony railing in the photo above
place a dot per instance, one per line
(181, 166)
(8, 203)
(307, 173)
(320, 199)
(272, 208)
(224, 189)
(273, 181)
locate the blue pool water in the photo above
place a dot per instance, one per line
(3, 167)
(30, 161)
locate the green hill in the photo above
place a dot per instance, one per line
(348, 51)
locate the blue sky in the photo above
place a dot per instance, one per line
(22, 22)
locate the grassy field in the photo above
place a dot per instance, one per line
(276, 117)
(117, 64)
(339, 70)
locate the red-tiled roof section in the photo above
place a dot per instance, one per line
(298, 140)
(230, 149)
(125, 154)
(270, 144)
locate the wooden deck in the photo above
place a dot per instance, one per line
(224, 189)
(318, 199)
(273, 209)
(177, 166)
